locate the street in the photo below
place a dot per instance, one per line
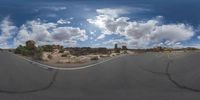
(148, 76)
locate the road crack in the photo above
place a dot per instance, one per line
(170, 78)
(51, 83)
(154, 72)
(177, 84)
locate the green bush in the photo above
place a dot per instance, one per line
(25, 52)
(64, 55)
(94, 58)
(61, 51)
(38, 54)
(19, 49)
(47, 48)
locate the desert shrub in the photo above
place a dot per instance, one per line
(28, 50)
(117, 50)
(38, 54)
(94, 58)
(19, 49)
(50, 56)
(10, 50)
(64, 55)
(47, 48)
(24, 52)
(61, 51)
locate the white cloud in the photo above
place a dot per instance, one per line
(49, 32)
(7, 31)
(140, 33)
(62, 21)
(7, 27)
(5, 45)
(112, 42)
(69, 33)
(41, 32)
(71, 18)
(112, 12)
(198, 37)
(116, 12)
(91, 32)
(55, 8)
(172, 32)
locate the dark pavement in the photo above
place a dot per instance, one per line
(150, 76)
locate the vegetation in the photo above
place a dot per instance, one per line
(50, 56)
(94, 58)
(61, 51)
(47, 48)
(64, 55)
(29, 50)
(21, 50)
(38, 54)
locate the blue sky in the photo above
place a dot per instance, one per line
(100, 23)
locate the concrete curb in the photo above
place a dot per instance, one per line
(57, 68)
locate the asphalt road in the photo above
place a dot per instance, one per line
(150, 76)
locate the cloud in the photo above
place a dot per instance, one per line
(198, 37)
(49, 32)
(69, 33)
(141, 33)
(53, 8)
(62, 21)
(112, 42)
(7, 31)
(7, 27)
(172, 32)
(115, 12)
(5, 45)
(41, 32)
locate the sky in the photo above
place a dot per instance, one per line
(100, 23)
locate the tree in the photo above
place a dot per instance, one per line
(47, 48)
(28, 50)
(30, 45)
(38, 54)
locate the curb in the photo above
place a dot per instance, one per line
(48, 67)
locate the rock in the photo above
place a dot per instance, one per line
(45, 56)
(104, 56)
(94, 57)
(84, 59)
(114, 54)
(63, 61)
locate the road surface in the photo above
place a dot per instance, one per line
(150, 76)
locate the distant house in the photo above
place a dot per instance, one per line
(124, 47)
(116, 46)
(116, 49)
